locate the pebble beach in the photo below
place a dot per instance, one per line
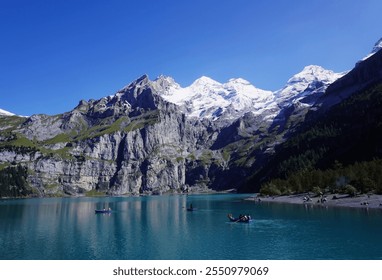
(331, 200)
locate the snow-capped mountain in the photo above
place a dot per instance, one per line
(207, 98)
(5, 113)
(312, 80)
(210, 99)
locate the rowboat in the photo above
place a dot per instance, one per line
(100, 211)
(240, 219)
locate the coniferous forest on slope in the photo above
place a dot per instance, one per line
(339, 150)
(13, 182)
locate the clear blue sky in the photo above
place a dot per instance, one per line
(55, 53)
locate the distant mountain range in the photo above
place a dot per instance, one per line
(207, 98)
(155, 136)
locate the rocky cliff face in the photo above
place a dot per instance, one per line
(132, 142)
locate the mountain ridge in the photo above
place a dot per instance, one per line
(240, 93)
(236, 92)
(170, 81)
(5, 113)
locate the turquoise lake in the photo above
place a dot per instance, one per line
(159, 227)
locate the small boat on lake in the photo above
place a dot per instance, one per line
(191, 208)
(240, 219)
(100, 211)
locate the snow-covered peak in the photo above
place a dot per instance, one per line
(311, 79)
(240, 85)
(203, 80)
(5, 113)
(205, 85)
(239, 81)
(244, 88)
(165, 85)
(312, 73)
(165, 80)
(376, 48)
(207, 98)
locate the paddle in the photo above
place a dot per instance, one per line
(239, 220)
(231, 217)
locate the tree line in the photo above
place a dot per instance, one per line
(360, 177)
(13, 181)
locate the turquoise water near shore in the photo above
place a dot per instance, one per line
(159, 227)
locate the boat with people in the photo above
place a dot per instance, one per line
(100, 211)
(240, 219)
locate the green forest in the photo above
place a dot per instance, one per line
(338, 151)
(360, 177)
(13, 182)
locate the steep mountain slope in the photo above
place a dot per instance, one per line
(376, 48)
(365, 74)
(306, 86)
(340, 152)
(299, 94)
(344, 130)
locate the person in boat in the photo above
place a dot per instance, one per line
(244, 218)
(191, 207)
(241, 218)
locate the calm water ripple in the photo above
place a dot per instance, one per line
(159, 227)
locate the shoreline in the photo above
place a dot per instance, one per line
(364, 201)
(78, 195)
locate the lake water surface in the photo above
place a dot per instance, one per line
(159, 227)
